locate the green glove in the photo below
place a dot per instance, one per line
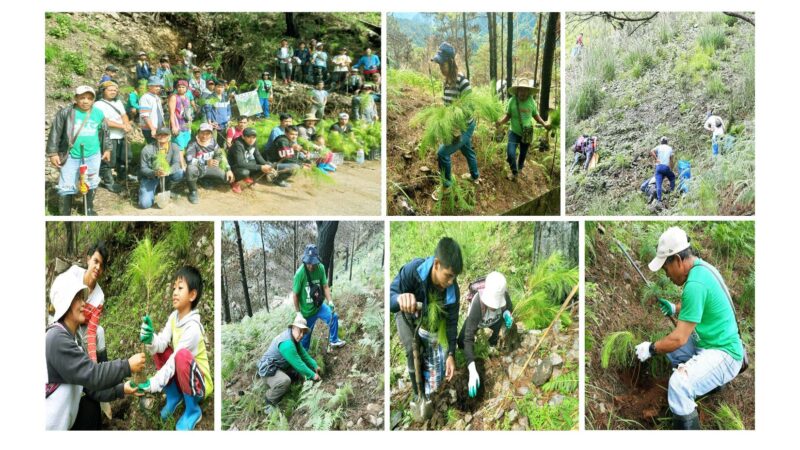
(509, 320)
(667, 307)
(143, 387)
(146, 330)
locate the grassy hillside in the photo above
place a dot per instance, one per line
(631, 87)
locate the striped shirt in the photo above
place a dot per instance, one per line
(451, 92)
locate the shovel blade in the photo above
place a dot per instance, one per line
(421, 409)
(163, 199)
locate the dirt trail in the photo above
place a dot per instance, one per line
(356, 191)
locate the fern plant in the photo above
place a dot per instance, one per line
(341, 397)
(566, 383)
(618, 349)
(314, 401)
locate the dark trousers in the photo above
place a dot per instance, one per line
(515, 140)
(663, 171)
(89, 415)
(118, 161)
(195, 171)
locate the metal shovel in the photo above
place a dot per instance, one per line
(421, 407)
(163, 198)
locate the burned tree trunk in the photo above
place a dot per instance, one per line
(538, 46)
(466, 43)
(547, 64)
(226, 308)
(264, 261)
(241, 267)
(549, 237)
(510, 51)
(326, 234)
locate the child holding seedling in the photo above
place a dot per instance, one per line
(161, 159)
(179, 352)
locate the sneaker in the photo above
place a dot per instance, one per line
(132, 178)
(511, 176)
(439, 192)
(338, 343)
(236, 188)
(193, 197)
(282, 184)
(249, 180)
(269, 409)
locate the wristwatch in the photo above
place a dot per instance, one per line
(652, 349)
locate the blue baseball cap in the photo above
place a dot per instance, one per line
(155, 81)
(446, 53)
(311, 254)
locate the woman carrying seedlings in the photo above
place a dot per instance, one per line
(180, 115)
(455, 86)
(69, 368)
(521, 110)
(159, 160)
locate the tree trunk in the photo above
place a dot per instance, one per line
(502, 57)
(353, 251)
(295, 244)
(70, 240)
(549, 237)
(466, 43)
(510, 51)
(346, 257)
(492, 49)
(538, 45)
(226, 308)
(291, 25)
(241, 266)
(326, 235)
(264, 260)
(547, 64)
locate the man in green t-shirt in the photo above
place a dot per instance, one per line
(310, 279)
(521, 111)
(704, 348)
(78, 140)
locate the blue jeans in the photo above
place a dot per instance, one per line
(464, 144)
(68, 178)
(697, 371)
(148, 186)
(511, 152)
(714, 145)
(329, 317)
(264, 106)
(663, 170)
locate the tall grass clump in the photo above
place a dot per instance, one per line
(713, 38)
(727, 417)
(639, 60)
(586, 100)
(601, 63)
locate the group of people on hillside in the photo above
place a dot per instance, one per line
(80, 376)
(521, 111)
(89, 140)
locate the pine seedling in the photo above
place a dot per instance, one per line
(727, 417)
(618, 349)
(161, 163)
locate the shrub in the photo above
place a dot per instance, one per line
(639, 60)
(715, 88)
(727, 417)
(51, 53)
(75, 62)
(586, 100)
(712, 39)
(114, 51)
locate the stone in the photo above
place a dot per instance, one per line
(453, 395)
(556, 400)
(468, 418)
(507, 360)
(524, 423)
(459, 425)
(373, 408)
(425, 169)
(523, 390)
(350, 424)
(360, 422)
(498, 415)
(514, 371)
(541, 372)
(512, 415)
(469, 427)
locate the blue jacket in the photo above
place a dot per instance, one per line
(414, 278)
(142, 71)
(219, 111)
(368, 62)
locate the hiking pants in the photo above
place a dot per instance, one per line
(195, 171)
(148, 186)
(264, 106)
(279, 384)
(69, 178)
(662, 171)
(515, 140)
(464, 144)
(714, 145)
(697, 371)
(432, 355)
(286, 70)
(285, 171)
(117, 162)
(187, 373)
(329, 317)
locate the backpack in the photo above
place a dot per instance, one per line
(475, 288)
(315, 291)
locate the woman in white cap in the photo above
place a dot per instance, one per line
(69, 369)
(286, 359)
(521, 111)
(490, 307)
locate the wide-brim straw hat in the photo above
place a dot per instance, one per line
(523, 81)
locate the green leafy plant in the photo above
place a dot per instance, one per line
(566, 383)
(727, 417)
(341, 397)
(618, 349)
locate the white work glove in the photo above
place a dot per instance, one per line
(299, 315)
(474, 380)
(330, 305)
(643, 351)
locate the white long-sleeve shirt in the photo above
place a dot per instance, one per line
(191, 336)
(711, 125)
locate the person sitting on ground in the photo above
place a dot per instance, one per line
(585, 147)
(368, 63)
(325, 159)
(280, 129)
(151, 169)
(217, 110)
(143, 71)
(282, 155)
(309, 127)
(705, 348)
(490, 307)
(310, 292)
(716, 126)
(151, 110)
(320, 62)
(428, 281)
(70, 371)
(521, 111)
(341, 65)
(235, 132)
(264, 90)
(181, 116)
(109, 74)
(286, 360)
(246, 161)
(664, 157)
(179, 352)
(118, 125)
(319, 98)
(284, 56)
(342, 126)
(302, 63)
(79, 133)
(205, 160)
(648, 188)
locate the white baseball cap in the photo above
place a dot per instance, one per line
(494, 291)
(62, 292)
(84, 89)
(671, 242)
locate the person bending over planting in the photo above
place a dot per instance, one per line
(432, 282)
(521, 111)
(705, 348)
(664, 157)
(286, 360)
(310, 290)
(490, 307)
(179, 352)
(70, 371)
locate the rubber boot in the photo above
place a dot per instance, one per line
(191, 415)
(90, 203)
(174, 398)
(65, 205)
(689, 421)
